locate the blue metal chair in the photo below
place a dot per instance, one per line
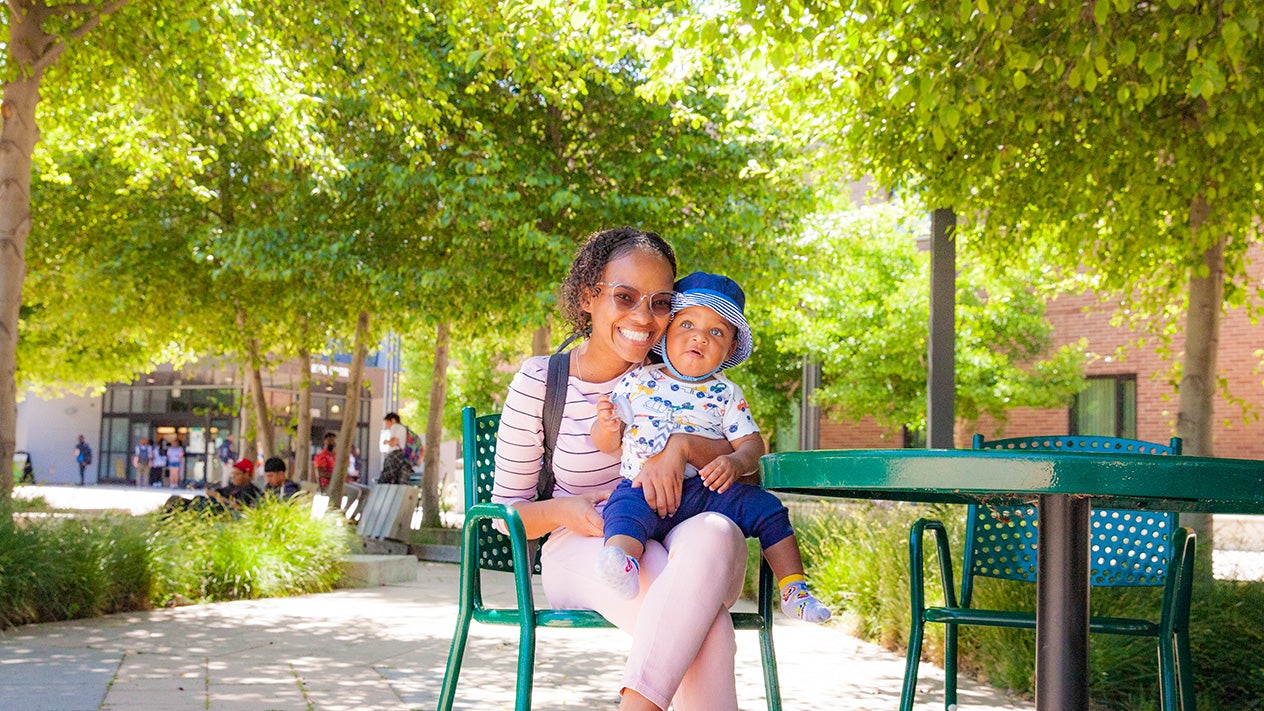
(483, 548)
(1129, 548)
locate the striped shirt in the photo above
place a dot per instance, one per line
(578, 466)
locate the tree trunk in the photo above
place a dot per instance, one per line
(17, 142)
(303, 427)
(540, 341)
(351, 413)
(1195, 413)
(246, 441)
(263, 419)
(434, 430)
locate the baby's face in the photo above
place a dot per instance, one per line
(698, 340)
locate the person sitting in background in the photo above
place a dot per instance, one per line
(241, 491)
(279, 485)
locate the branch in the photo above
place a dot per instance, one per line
(92, 21)
(55, 46)
(18, 7)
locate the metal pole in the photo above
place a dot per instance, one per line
(1062, 595)
(809, 414)
(940, 384)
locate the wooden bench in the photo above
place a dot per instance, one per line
(386, 517)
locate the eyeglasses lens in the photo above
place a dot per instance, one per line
(629, 299)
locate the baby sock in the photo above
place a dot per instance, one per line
(620, 571)
(796, 601)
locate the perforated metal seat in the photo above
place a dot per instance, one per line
(484, 548)
(1127, 549)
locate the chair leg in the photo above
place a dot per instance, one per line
(455, 654)
(1185, 672)
(950, 666)
(1168, 694)
(909, 691)
(772, 684)
(526, 659)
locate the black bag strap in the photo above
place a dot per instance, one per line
(554, 404)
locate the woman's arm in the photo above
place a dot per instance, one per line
(578, 513)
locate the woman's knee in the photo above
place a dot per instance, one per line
(710, 534)
(714, 548)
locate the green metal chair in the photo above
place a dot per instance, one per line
(483, 548)
(1129, 548)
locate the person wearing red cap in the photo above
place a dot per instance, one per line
(241, 491)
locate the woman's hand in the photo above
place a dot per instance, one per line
(661, 477)
(579, 513)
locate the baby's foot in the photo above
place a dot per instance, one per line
(796, 601)
(620, 571)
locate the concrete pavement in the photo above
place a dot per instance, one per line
(385, 648)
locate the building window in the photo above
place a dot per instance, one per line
(1106, 408)
(913, 438)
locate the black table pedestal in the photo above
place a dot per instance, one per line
(1062, 595)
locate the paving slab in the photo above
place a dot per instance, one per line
(386, 647)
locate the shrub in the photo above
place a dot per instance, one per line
(59, 567)
(274, 549)
(856, 555)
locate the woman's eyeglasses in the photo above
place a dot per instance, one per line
(626, 298)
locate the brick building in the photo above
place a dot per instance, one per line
(1129, 396)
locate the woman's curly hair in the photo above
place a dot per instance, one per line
(600, 248)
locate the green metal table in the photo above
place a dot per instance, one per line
(1064, 486)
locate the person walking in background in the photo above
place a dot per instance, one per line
(226, 453)
(83, 456)
(324, 460)
(143, 459)
(395, 467)
(175, 462)
(353, 465)
(160, 462)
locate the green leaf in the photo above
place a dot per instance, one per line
(473, 58)
(1125, 52)
(1020, 80)
(1101, 12)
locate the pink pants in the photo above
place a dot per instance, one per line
(683, 644)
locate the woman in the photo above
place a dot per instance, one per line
(160, 462)
(618, 295)
(175, 462)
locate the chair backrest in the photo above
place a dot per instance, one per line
(479, 450)
(1129, 548)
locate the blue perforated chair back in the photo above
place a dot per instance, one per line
(1128, 548)
(480, 474)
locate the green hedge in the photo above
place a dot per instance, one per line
(59, 567)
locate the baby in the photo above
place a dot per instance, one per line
(687, 393)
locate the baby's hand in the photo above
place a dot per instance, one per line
(606, 415)
(720, 474)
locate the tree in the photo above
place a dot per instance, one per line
(36, 39)
(1108, 135)
(863, 316)
(175, 63)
